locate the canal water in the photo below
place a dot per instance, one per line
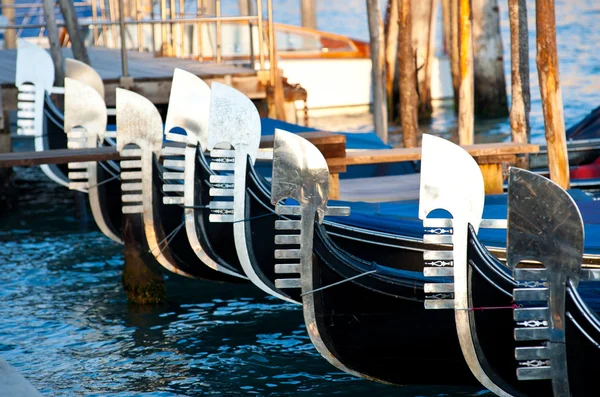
(65, 322)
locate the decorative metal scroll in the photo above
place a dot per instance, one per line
(457, 187)
(545, 226)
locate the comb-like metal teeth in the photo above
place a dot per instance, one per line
(79, 185)
(215, 192)
(438, 271)
(337, 211)
(173, 151)
(27, 107)
(26, 96)
(437, 239)
(222, 179)
(173, 200)
(286, 239)
(176, 137)
(534, 373)
(434, 304)
(432, 255)
(287, 254)
(531, 274)
(131, 175)
(78, 175)
(132, 198)
(77, 166)
(439, 288)
(133, 209)
(173, 187)
(530, 294)
(131, 153)
(533, 313)
(132, 186)
(532, 353)
(174, 163)
(173, 175)
(131, 163)
(287, 225)
(224, 205)
(288, 283)
(532, 334)
(220, 218)
(26, 114)
(282, 268)
(225, 153)
(222, 166)
(288, 210)
(131, 192)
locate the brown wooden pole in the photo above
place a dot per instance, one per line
(519, 59)
(488, 63)
(454, 50)
(407, 76)
(446, 26)
(10, 35)
(466, 97)
(308, 13)
(391, 53)
(377, 69)
(423, 14)
(547, 64)
(78, 46)
(55, 50)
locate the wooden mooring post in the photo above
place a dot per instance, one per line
(391, 53)
(308, 13)
(407, 76)
(10, 35)
(547, 64)
(520, 90)
(466, 99)
(377, 69)
(70, 16)
(55, 48)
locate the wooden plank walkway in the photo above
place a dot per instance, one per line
(152, 75)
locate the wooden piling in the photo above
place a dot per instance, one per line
(422, 23)
(466, 99)
(407, 76)
(377, 69)
(547, 65)
(391, 53)
(455, 51)
(308, 13)
(10, 35)
(55, 50)
(520, 89)
(6, 190)
(488, 61)
(72, 25)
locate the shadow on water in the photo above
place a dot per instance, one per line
(66, 325)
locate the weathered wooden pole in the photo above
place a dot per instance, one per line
(10, 35)
(447, 26)
(547, 65)
(244, 8)
(455, 51)
(519, 60)
(55, 51)
(488, 61)
(377, 69)
(308, 13)
(422, 23)
(77, 44)
(466, 97)
(407, 76)
(391, 53)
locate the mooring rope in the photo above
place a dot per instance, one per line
(482, 308)
(104, 181)
(167, 239)
(339, 282)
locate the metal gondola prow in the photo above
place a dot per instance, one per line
(451, 180)
(85, 74)
(545, 226)
(300, 173)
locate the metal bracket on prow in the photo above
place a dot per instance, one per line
(300, 172)
(139, 140)
(189, 109)
(544, 225)
(451, 180)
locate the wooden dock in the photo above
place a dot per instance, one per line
(151, 75)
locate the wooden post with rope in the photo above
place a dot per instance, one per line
(547, 64)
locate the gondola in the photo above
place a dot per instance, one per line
(546, 342)
(150, 223)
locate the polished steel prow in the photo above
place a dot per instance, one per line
(545, 226)
(189, 109)
(451, 180)
(85, 74)
(300, 173)
(139, 140)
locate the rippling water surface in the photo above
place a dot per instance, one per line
(66, 324)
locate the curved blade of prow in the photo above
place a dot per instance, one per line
(300, 172)
(84, 73)
(139, 123)
(189, 107)
(233, 120)
(34, 77)
(85, 125)
(545, 226)
(451, 180)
